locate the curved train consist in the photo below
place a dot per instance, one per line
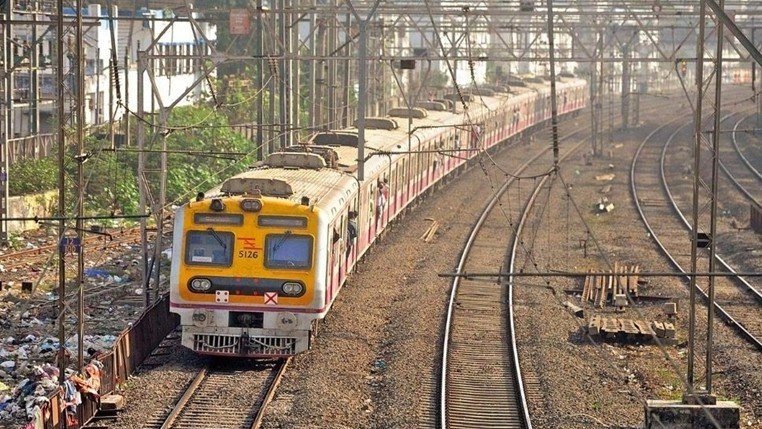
(260, 260)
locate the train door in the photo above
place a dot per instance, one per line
(371, 198)
(353, 233)
(343, 246)
(403, 182)
(335, 257)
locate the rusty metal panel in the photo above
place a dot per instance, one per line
(131, 348)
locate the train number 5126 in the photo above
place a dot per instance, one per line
(248, 254)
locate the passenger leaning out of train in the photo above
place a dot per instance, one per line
(382, 197)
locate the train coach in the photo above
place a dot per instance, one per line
(259, 260)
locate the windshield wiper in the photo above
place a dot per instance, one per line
(281, 241)
(217, 237)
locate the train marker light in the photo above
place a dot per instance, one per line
(251, 205)
(292, 288)
(200, 285)
(217, 205)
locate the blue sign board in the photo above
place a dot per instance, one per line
(69, 245)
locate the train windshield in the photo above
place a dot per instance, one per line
(288, 251)
(209, 247)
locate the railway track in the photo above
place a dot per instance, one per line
(737, 301)
(232, 396)
(480, 358)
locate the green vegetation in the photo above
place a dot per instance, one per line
(29, 176)
(201, 131)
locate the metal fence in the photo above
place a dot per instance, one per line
(131, 348)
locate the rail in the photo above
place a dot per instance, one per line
(247, 393)
(633, 189)
(520, 391)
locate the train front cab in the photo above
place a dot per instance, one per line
(244, 280)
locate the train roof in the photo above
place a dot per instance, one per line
(327, 173)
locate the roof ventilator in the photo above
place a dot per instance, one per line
(436, 106)
(403, 112)
(373, 123)
(484, 92)
(327, 152)
(456, 97)
(307, 160)
(251, 185)
(335, 138)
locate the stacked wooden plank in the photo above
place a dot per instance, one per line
(629, 328)
(600, 290)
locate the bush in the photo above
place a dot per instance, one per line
(30, 176)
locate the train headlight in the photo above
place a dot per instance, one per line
(292, 288)
(200, 285)
(217, 205)
(251, 205)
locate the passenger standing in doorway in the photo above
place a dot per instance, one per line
(351, 231)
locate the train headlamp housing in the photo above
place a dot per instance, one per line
(251, 205)
(292, 288)
(217, 205)
(200, 285)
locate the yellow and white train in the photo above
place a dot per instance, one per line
(260, 260)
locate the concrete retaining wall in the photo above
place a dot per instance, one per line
(29, 206)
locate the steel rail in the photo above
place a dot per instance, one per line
(460, 269)
(740, 153)
(512, 326)
(456, 280)
(270, 394)
(730, 175)
(180, 405)
(633, 189)
(184, 407)
(662, 162)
